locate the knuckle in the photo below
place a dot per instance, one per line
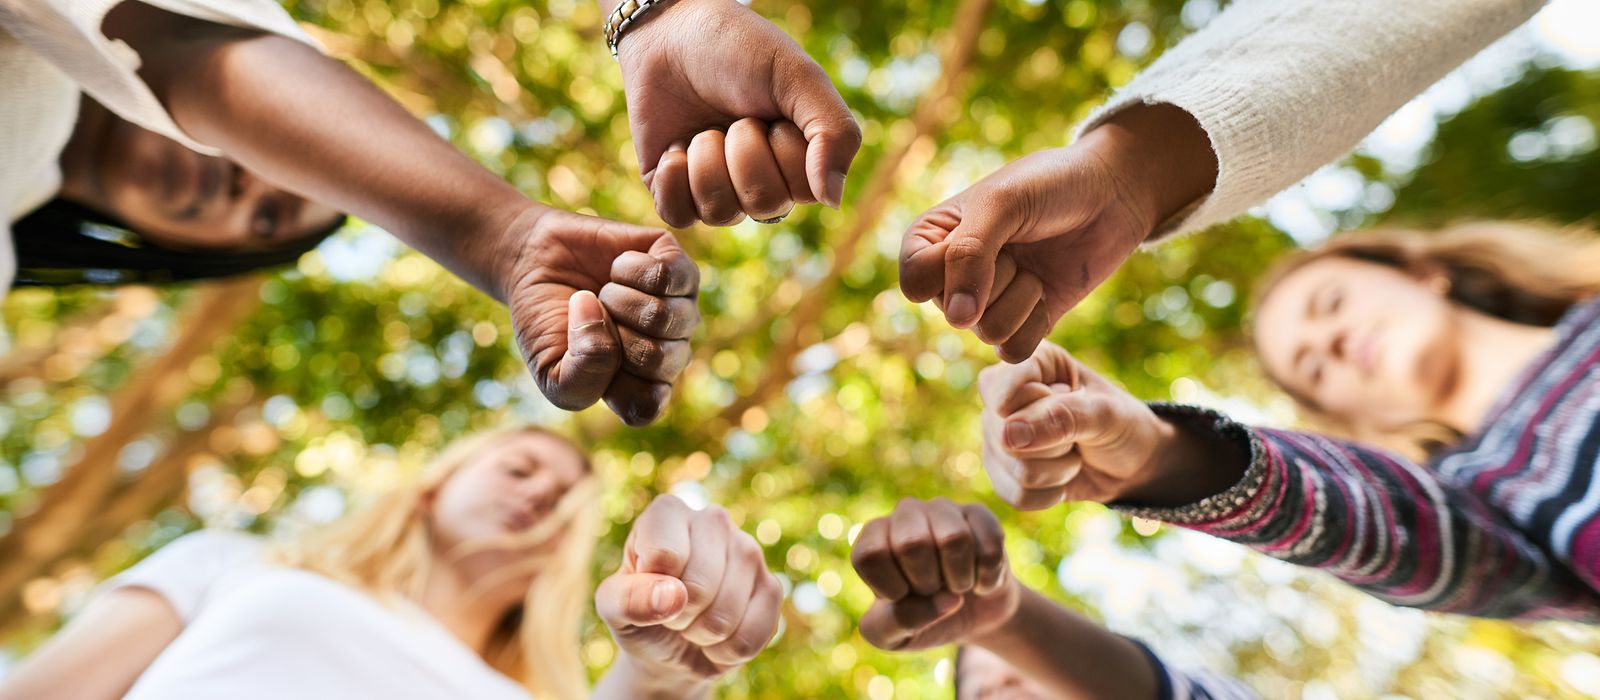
(1059, 417)
(716, 623)
(654, 275)
(584, 347)
(966, 249)
(914, 545)
(658, 558)
(653, 314)
(700, 592)
(867, 556)
(745, 645)
(643, 353)
(959, 541)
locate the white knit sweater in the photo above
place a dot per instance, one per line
(53, 51)
(1283, 87)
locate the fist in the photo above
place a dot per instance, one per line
(693, 598)
(1009, 256)
(603, 310)
(1055, 431)
(939, 572)
(730, 116)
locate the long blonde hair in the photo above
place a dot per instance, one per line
(1524, 272)
(385, 550)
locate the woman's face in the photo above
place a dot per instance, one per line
(1365, 342)
(181, 199)
(504, 489)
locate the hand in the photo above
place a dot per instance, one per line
(694, 69)
(601, 310)
(693, 598)
(939, 572)
(1015, 252)
(1055, 431)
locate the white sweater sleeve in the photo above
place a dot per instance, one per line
(1283, 87)
(68, 34)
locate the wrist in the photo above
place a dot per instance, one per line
(1159, 158)
(1011, 631)
(1007, 629)
(509, 237)
(648, 681)
(1184, 466)
(637, 35)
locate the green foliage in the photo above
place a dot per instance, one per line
(351, 381)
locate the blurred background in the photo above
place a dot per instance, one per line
(818, 395)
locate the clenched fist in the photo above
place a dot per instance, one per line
(1055, 431)
(602, 310)
(693, 598)
(1009, 256)
(939, 572)
(730, 116)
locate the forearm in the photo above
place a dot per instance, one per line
(101, 652)
(1282, 87)
(1068, 654)
(625, 680)
(312, 125)
(1382, 524)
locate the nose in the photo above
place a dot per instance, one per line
(1338, 345)
(538, 492)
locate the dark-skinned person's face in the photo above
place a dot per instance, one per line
(177, 198)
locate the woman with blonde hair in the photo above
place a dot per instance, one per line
(468, 583)
(1460, 370)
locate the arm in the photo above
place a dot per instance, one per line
(312, 125)
(1074, 657)
(940, 576)
(1375, 520)
(627, 679)
(1055, 431)
(1264, 95)
(101, 652)
(1282, 87)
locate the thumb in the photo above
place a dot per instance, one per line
(639, 600)
(832, 135)
(971, 253)
(1060, 419)
(592, 359)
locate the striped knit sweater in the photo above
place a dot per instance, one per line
(1506, 524)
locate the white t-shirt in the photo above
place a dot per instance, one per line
(258, 631)
(53, 51)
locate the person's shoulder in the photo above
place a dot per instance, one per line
(214, 545)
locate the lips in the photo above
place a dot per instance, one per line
(520, 519)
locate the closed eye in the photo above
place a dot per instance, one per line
(264, 222)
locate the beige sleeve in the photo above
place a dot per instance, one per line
(68, 34)
(1283, 87)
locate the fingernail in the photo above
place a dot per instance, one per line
(661, 598)
(962, 307)
(584, 310)
(1019, 434)
(945, 602)
(835, 190)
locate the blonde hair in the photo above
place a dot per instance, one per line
(384, 549)
(1523, 272)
